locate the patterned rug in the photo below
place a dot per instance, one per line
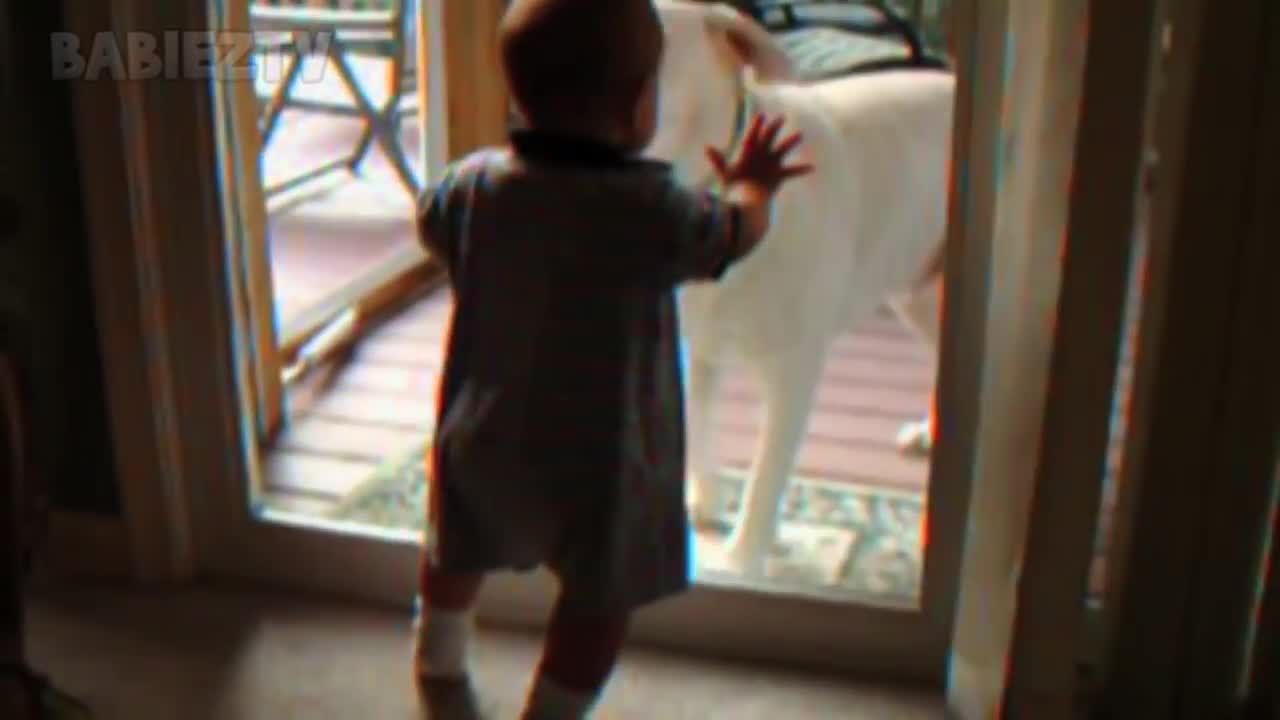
(836, 535)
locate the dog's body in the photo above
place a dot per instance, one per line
(864, 229)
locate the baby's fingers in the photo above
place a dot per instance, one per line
(791, 171)
(789, 143)
(751, 139)
(771, 131)
(718, 162)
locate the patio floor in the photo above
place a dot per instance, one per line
(332, 230)
(382, 401)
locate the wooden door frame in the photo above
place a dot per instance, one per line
(141, 279)
(1198, 480)
(1054, 631)
(131, 304)
(246, 222)
(1021, 624)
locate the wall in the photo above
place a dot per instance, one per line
(46, 305)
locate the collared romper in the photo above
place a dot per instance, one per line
(559, 438)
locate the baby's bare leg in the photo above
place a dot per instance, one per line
(578, 656)
(444, 623)
(920, 310)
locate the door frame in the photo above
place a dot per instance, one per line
(184, 501)
(243, 183)
(1021, 625)
(1054, 636)
(1198, 493)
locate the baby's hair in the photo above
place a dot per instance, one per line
(578, 59)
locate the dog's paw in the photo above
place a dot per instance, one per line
(914, 439)
(748, 558)
(709, 524)
(707, 511)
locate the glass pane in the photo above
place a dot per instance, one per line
(334, 155)
(840, 463)
(826, 434)
(339, 186)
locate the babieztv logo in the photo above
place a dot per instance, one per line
(182, 54)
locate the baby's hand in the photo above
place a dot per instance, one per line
(761, 160)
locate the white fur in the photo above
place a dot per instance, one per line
(849, 237)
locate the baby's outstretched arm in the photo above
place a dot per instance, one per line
(752, 179)
(754, 204)
(704, 232)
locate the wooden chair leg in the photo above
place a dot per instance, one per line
(282, 95)
(377, 127)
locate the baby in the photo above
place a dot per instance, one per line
(560, 438)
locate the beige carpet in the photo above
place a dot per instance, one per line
(216, 654)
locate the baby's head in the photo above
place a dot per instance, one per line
(585, 67)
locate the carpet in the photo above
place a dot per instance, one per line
(211, 652)
(833, 535)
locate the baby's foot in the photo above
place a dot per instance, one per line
(550, 700)
(451, 699)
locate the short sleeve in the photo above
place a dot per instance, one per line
(707, 231)
(668, 234)
(432, 215)
(443, 208)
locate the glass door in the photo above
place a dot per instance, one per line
(322, 180)
(822, 456)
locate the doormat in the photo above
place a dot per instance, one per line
(832, 534)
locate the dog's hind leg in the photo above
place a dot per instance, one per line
(920, 309)
(789, 380)
(706, 502)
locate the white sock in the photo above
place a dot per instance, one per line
(550, 701)
(442, 639)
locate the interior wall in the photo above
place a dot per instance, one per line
(46, 303)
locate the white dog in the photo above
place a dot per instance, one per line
(866, 228)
